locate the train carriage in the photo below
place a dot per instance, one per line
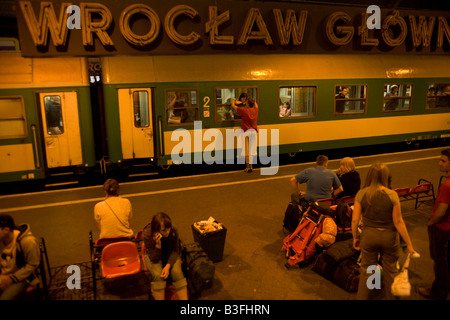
(45, 115)
(309, 83)
(144, 125)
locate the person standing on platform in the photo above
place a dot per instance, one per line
(113, 215)
(321, 183)
(382, 221)
(20, 257)
(439, 235)
(248, 111)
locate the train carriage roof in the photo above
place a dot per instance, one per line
(239, 67)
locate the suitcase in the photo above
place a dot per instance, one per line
(198, 267)
(346, 275)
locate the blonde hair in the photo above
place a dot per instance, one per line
(378, 176)
(348, 164)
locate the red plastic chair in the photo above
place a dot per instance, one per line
(106, 241)
(327, 201)
(120, 259)
(402, 191)
(347, 199)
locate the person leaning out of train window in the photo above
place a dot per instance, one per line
(114, 214)
(349, 177)
(162, 257)
(431, 97)
(249, 124)
(443, 100)
(286, 110)
(340, 100)
(391, 99)
(177, 109)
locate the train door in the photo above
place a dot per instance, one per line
(136, 129)
(61, 128)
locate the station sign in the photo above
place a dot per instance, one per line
(101, 27)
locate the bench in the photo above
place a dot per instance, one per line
(420, 193)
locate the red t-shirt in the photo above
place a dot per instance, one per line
(443, 196)
(249, 118)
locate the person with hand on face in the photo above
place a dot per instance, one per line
(162, 256)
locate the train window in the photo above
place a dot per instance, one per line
(438, 95)
(350, 99)
(298, 101)
(12, 118)
(53, 115)
(140, 104)
(224, 97)
(397, 97)
(182, 106)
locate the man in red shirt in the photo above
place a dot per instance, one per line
(439, 235)
(248, 110)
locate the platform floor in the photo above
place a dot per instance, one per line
(251, 206)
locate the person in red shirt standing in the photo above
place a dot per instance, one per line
(439, 235)
(248, 110)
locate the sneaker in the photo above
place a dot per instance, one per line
(425, 292)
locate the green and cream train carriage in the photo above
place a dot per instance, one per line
(30, 146)
(143, 87)
(140, 119)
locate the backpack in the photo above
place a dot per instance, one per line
(198, 267)
(292, 217)
(343, 221)
(300, 245)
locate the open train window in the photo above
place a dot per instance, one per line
(140, 105)
(224, 97)
(181, 106)
(350, 99)
(397, 97)
(12, 118)
(53, 115)
(438, 95)
(297, 101)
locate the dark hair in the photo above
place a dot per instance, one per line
(243, 95)
(446, 152)
(111, 187)
(250, 102)
(159, 219)
(6, 221)
(321, 160)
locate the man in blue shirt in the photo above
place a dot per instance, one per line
(321, 183)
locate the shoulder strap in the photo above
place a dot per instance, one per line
(116, 215)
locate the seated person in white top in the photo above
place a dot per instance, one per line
(113, 215)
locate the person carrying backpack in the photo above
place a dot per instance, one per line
(20, 257)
